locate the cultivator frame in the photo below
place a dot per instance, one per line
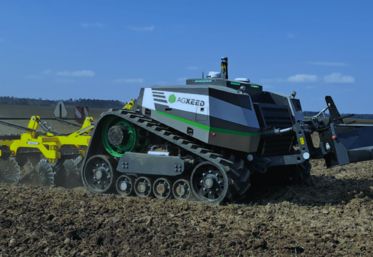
(43, 157)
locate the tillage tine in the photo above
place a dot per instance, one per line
(235, 172)
(244, 189)
(247, 175)
(236, 186)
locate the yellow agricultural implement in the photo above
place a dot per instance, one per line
(43, 158)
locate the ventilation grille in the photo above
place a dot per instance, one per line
(275, 116)
(282, 145)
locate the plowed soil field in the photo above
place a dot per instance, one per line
(330, 215)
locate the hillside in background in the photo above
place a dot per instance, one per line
(91, 103)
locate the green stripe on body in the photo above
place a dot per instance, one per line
(208, 128)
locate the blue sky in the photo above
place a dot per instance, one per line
(110, 49)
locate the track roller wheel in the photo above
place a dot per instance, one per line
(45, 172)
(162, 188)
(125, 185)
(99, 174)
(209, 182)
(10, 171)
(143, 187)
(181, 189)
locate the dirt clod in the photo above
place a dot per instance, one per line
(261, 243)
(12, 242)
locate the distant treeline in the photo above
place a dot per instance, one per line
(356, 116)
(91, 103)
(106, 104)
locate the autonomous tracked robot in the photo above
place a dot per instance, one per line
(207, 138)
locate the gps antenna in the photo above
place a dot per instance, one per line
(224, 67)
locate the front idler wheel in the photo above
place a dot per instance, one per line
(99, 174)
(162, 188)
(209, 182)
(143, 187)
(125, 185)
(181, 190)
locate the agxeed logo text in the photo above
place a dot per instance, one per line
(172, 98)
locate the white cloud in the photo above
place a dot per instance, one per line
(40, 75)
(296, 78)
(271, 80)
(47, 72)
(337, 64)
(81, 73)
(64, 81)
(128, 81)
(92, 25)
(34, 77)
(191, 68)
(290, 35)
(302, 78)
(182, 79)
(141, 28)
(338, 78)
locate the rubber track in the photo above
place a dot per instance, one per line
(237, 172)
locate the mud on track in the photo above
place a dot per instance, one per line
(330, 215)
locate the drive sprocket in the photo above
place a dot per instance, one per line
(45, 172)
(10, 171)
